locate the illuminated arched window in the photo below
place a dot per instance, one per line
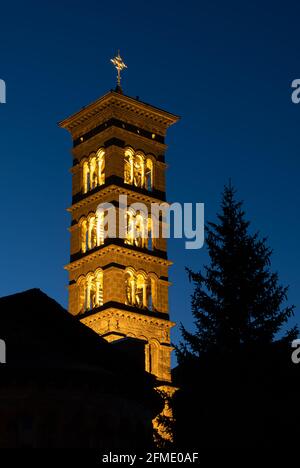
(141, 291)
(86, 177)
(130, 288)
(100, 228)
(151, 242)
(98, 278)
(140, 230)
(91, 232)
(128, 166)
(149, 175)
(81, 287)
(90, 291)
(152, 291)
(137, 229)
(101, 166)
(138, 289)
(93, 171)
(83, 234)
(130, 227)
(138, 171)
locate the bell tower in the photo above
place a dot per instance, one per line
(119, 286)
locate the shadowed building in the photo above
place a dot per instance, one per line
(64, 386)
(119, 286)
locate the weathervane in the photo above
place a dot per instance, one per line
(120, 65)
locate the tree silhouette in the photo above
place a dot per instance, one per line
(237, 299)
(234, 371)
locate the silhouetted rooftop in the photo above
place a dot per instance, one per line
(42, 338)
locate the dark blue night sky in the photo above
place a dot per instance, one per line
(225, 67)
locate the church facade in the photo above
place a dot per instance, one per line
(118, 286)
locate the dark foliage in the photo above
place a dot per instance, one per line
(236, 378)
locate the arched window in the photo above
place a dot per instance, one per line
(83, 234)
(152, 292)
(98, 278)
(128, 166)
(90, 291)
(86, 177)
(130, 288)
(130, 229)
(100, 228)
(93, 171)
(101, 166)
(151, 242)
(91, 232)
(140, 230)
(149, 175)
(137, 229)
(92, 236)
(138, 289)
(138, 170)
(81, 288)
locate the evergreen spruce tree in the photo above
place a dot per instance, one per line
(237, 300)
(235, 374)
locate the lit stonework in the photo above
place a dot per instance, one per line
(119, 287)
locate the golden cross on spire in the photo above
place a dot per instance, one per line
(120, 65)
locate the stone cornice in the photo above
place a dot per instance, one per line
(132, 107)
(113, 312)
(115, 189)
(117, 249)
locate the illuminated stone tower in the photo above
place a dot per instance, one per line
(119, 286)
